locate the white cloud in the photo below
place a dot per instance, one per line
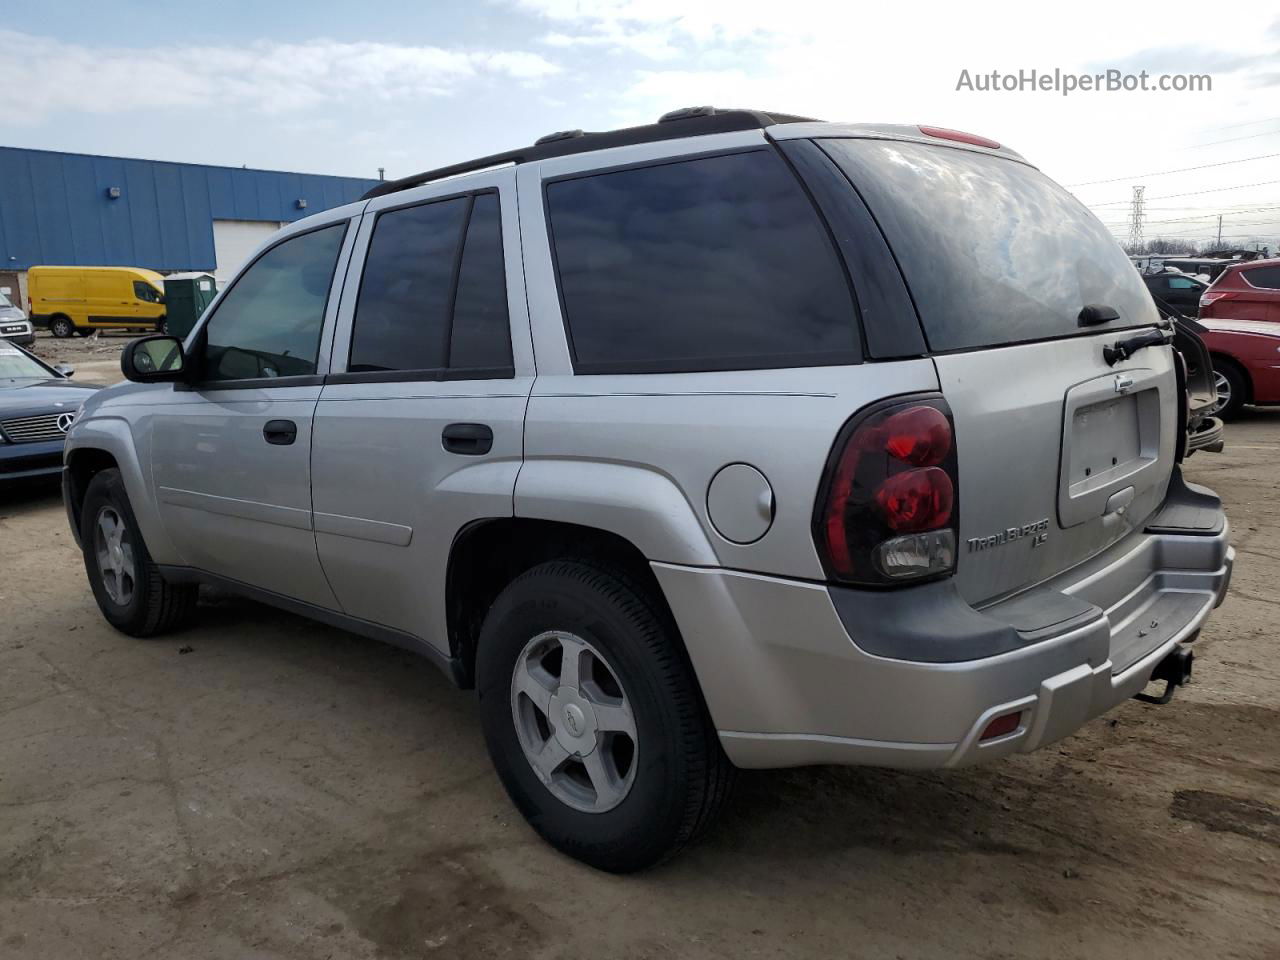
(263, 76)
(899, 62)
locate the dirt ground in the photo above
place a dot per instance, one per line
(260, 786)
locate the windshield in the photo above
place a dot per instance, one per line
(4, 301)
(993, 251)
(16, 365)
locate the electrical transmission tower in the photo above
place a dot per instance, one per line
(1135, 220)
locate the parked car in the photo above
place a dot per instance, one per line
(1245, 291)
(1180, 291)
(14, 325)
(37, 405)
(79, 300)
(687, 455)
(1241, 312)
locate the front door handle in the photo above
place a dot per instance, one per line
(468, 439)
(281, 433)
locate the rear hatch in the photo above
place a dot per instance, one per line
(1060, 454)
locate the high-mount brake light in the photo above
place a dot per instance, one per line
(959, 136)
(887, 512)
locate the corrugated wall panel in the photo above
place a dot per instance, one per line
(118, 248)
(54, 208)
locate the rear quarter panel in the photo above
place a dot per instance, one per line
(636, 454)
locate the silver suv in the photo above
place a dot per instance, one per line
(735, 440)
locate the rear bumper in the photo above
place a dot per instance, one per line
(789, 681)
(1209, 436)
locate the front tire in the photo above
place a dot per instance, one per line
(61, 327)
(126, 583)
(594, 720)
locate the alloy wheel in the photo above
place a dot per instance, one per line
(114, 549)
(574, 721)
(1223, 387)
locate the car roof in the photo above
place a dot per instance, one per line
(686, 122)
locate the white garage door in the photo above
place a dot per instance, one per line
(233, 241)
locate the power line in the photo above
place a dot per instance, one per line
(1162, 173)
(1204, 216)
(1247, 123)
(1192, 193)
(1252, 136)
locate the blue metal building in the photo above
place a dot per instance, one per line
(79, 209)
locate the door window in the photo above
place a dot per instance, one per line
(268, 324)
(433, 296)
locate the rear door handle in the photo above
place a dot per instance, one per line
(281, 433)
(468, 439)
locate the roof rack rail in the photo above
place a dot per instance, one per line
(559, 135)
(685, 122)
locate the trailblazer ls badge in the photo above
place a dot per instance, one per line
(1038, 532)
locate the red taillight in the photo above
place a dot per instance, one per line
(887, 512)
(918, 435)
(942, 133)
(916, 500)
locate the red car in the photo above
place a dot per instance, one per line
(1241, 314)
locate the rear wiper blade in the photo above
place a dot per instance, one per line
(1124, 349)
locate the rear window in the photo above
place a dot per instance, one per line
(1266, 277)
(993, 251)
(714, 263)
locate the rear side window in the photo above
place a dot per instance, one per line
(714, 263)
(1266, 277)
(993, 251)
(433, 293)
(481, 329)
(402, 314)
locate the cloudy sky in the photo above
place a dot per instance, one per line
(342, 87)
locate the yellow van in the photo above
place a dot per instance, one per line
(71, 300)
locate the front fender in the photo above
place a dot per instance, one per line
(638, 504)
(114, 436)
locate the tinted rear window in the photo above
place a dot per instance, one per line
(994, 252)
(1266, 277)
(707, 264)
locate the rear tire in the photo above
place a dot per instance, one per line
(61, 327)
(1232, 389)
(660, 790)
(126, 583)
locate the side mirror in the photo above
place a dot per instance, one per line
(154, 360)
(66, 369)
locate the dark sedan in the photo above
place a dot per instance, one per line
(37, 404)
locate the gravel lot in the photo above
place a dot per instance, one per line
(260, 786)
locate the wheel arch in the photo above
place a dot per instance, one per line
(104, 442)
(1225, 359)
(488, 554)
(82, 465)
